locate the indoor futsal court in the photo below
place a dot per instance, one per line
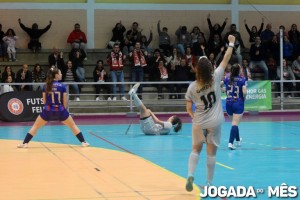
(124, 164)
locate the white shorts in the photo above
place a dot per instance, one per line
(209, 136)
(149, 127)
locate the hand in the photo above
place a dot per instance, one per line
(50, 22)
(231, 38)
(245, 22)
(19, 20)
(158, 21)
(208, 16)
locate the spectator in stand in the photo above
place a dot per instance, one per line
(56, 58)
(238, 44)
(7, 88)
(274, 49)
(24, 76)
(38, 76)
(77, 39)
(296, 71)
(197, 39)
(272, 67)
(287, 75)
(267, 37)
(257, 57)
(288, 50)
(173, 61)
(138, 59)
(3, 46)
(163, 77)
(8, 72)
(189, 56)
(152, 67)
(212, 59)
(35, 33)
(183, 38)
(126, 46)
(115, 60)
(216, 29)
(146, 42)
(100, 76)
(118, 35)
(294, 36)
(284, 32)
(10, 40)
(69, 75)
(215, 44)
(245, 70)
(164, 40)
(253, 33)
(77, 56)
(134, 34)
(181, 73)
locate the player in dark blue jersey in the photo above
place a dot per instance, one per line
(236, 92)
(56, 102)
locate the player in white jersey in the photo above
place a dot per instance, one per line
(205, 93)
(150, 124)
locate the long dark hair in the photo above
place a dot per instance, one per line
(204, 72)
(234, 71)
(50, 77)
(176, 121)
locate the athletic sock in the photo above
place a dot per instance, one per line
(28, 137)
(193, 161)
(80, 137)
(233, 133)
(237, 137)
(210, 167)
(136, 100)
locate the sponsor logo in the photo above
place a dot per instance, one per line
(15, 106)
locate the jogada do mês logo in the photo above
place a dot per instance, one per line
(15, 106)
(282, 191)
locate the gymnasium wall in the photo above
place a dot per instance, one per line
(105, 19)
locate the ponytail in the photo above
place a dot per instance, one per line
(234, 71)
(50, 77)
(176, 121)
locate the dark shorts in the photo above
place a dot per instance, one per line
(55, 115)
(235, 107)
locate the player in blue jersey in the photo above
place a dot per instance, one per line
(236, 92)
(205, 93)
(150, 124)
(56, 102)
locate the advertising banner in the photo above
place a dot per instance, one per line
(20, 106)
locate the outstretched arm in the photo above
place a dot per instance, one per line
(156, 120)
(228, 52)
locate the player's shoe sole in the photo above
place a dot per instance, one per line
(134, 89)
(189, 184)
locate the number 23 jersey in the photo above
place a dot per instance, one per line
(209, 112)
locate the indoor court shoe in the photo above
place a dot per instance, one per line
(134, 89)
(189, 184)
(85, 144)
(239, 143)
(25, 145)
(231, 146)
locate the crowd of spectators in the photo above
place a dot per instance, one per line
(169, 61)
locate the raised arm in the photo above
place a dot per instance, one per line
(228, 52)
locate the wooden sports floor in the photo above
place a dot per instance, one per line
(124, 164)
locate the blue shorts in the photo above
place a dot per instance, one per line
(55, 115)
(234, 107)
